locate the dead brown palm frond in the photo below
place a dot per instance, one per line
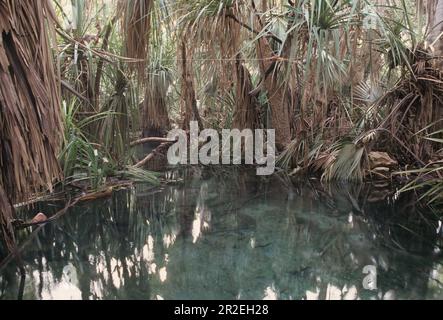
(30, 125)
(412, 105)
(136, 28)
(188, 100)
(6, 217)
(154, 114)
(214, 31)
(246, 111)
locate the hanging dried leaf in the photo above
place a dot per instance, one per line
(137, 27)
(30, 125)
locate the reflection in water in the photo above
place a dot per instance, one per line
(235, 238)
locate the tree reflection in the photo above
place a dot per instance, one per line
(220, 237)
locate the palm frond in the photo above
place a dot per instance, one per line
(30, 128)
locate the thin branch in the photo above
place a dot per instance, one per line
(244, 25)
(68, 87)
(16, 253)
(152, 139)
(150, 156)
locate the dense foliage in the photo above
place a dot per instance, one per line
(352, 88)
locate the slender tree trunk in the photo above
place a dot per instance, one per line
(246, 115)
(188, 100)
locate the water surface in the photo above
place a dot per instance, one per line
(234, 236)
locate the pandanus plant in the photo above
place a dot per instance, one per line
(30, 122)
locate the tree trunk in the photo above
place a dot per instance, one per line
(436, 30)
(246, 115)
(276, 92)
(155, 118)
(30, 122)
(137, 29)
(188, 100)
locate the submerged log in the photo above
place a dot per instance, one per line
(97, 195)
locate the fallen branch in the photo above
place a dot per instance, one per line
(68, 87)
(17, 251)
(153, 139)
(150, 156)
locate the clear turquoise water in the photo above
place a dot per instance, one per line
(233, 236)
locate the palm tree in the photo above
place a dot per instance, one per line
(30, 125)
(188, 101)
(277, 91)
(136, 27)
(435, 12)
(141, 32)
